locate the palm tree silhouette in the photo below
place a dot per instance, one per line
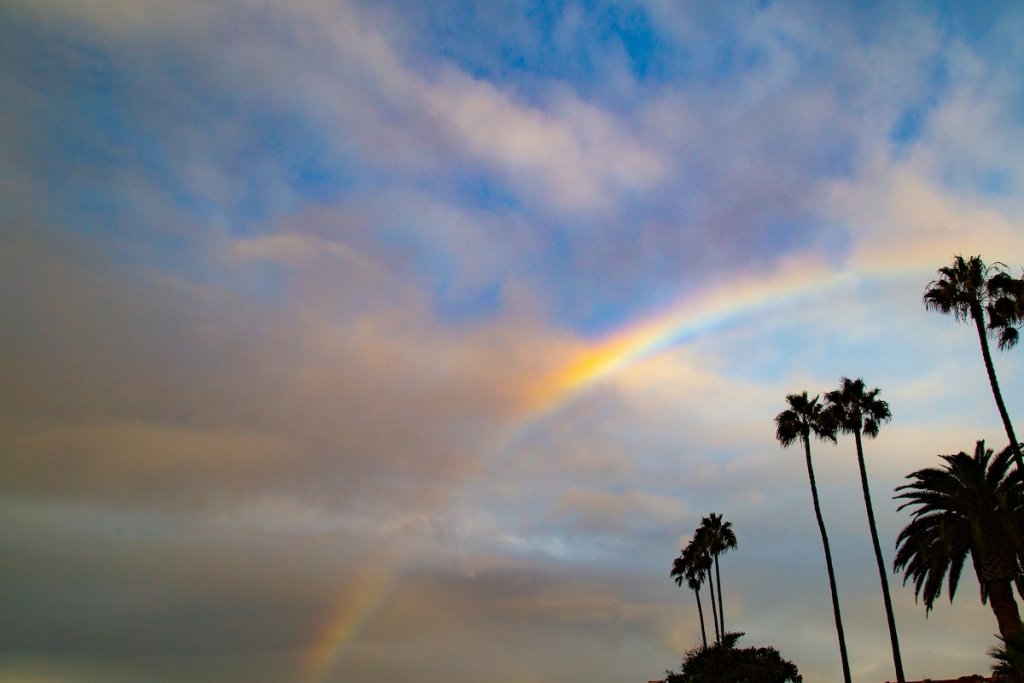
(964, 290)
(692, 566)
(797, 422)
(717, 537)
(696, 555)
(972, 505)
(860, 412)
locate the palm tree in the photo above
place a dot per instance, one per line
(692, 567)
(697, 555)
(797, 422)
(860, 412)
(714, 612)
(964, 290)
(718, 538)
(972, 505)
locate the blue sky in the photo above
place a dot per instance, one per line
(284, 288)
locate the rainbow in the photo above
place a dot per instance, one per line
(352, 609)
(687, 319)
(591, 363)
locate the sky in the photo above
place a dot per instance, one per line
(376, 341)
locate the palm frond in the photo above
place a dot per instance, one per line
(971, 505)
(853, 408)
(960, 288)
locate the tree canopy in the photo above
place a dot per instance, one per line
(725, 663)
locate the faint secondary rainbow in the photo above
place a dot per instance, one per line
(691, 317)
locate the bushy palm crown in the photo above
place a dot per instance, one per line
(680, 572)
(716, 536)
(968, 289)
(1005, 308)
(692, 565)
(804, 415)
(853, 408)
(962, 288)
(972, 505)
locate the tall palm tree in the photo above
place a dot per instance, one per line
(697, 555)
(972, 505)
(964, 291)
(692, 567)
(694, 581)
(860, 412)
(718, 538)
(803, 417)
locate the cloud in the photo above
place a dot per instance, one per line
(904, 219)
(201, 393)
(578, 158)
(599, 512)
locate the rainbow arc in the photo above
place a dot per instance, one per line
(689, 318)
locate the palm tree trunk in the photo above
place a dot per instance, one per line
(714, 613)
(828, 565)
(979, 323)
(721, 611)
(1000, 598)
(700, 611)
(1000, 568)
(893, 637)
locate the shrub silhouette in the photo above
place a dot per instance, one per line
(725, 663)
